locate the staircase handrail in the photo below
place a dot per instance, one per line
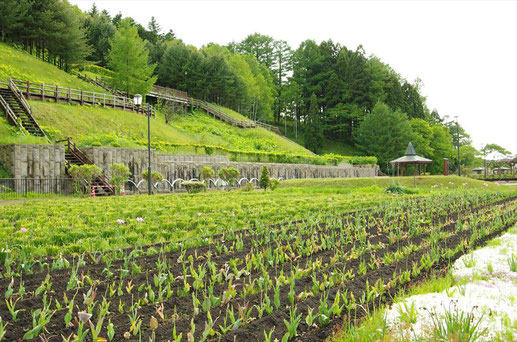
(267, 126)
(170, 91)
(72, 148)
(83, 157)
(9, 112)
(19, 95)
(216, 111)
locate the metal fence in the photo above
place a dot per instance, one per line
(25, 186)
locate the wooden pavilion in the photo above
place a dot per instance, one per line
(410, 158)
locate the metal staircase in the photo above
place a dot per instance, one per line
(18, 110)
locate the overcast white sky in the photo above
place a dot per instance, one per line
(465, 52)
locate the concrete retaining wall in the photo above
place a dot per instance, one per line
(48, 161)
(33, 161)
(187, 166)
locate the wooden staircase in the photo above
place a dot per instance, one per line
(18, 110)
(74, 156)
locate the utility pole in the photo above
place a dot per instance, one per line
(149, 174)
(458, 141)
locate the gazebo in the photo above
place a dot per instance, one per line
(498, 159)
(410, 158)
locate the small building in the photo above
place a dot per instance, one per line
(410, 158)
(478, 170)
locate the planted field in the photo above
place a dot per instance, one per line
(285, 281)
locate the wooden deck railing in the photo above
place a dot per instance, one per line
(41, 91)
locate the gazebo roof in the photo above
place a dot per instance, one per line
(411, 157)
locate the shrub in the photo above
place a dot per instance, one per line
(155, 176)
(119, 174)
(4, 173)
(194, 187)
(273, 183)
(229, 175)
(51, 132)
(248, 187)
(84, 174)
(206, 173)
(395, 188)
(264, 178)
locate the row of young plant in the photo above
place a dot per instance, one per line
(401, 214)
(70, 226)
(204, 289)
(120, 265)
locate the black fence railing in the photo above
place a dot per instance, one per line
(25, 186)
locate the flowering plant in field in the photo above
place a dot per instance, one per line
(139, 219)
(120, 221)
(23, 230)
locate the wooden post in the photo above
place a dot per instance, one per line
(69, 95)
(424, 168)
(42, 91)
(56, 91)
(81, 97)
(28, 89)
(104, 100)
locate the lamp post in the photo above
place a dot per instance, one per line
(458, 141)
(138, 101)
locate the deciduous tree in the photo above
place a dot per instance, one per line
(128, 58)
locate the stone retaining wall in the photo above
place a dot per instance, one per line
(48, 161)
(33, 161)
(187, 166)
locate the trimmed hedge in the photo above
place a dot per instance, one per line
(194, 187)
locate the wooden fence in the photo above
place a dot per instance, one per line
(41, 91)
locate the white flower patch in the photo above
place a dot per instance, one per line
(490, 295)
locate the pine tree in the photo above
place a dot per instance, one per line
(128, 58)
(264, 178)
(314, 128)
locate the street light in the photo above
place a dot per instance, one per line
(458, 141)
(138, 101)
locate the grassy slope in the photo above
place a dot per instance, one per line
(198, 128)
(232, 113)
(11, 135)
(76, 121)
(21, 65)
(423, 184)
(179, 216)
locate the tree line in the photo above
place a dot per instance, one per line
(331, 92)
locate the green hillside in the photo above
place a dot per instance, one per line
(110, 127)
(20, 65)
